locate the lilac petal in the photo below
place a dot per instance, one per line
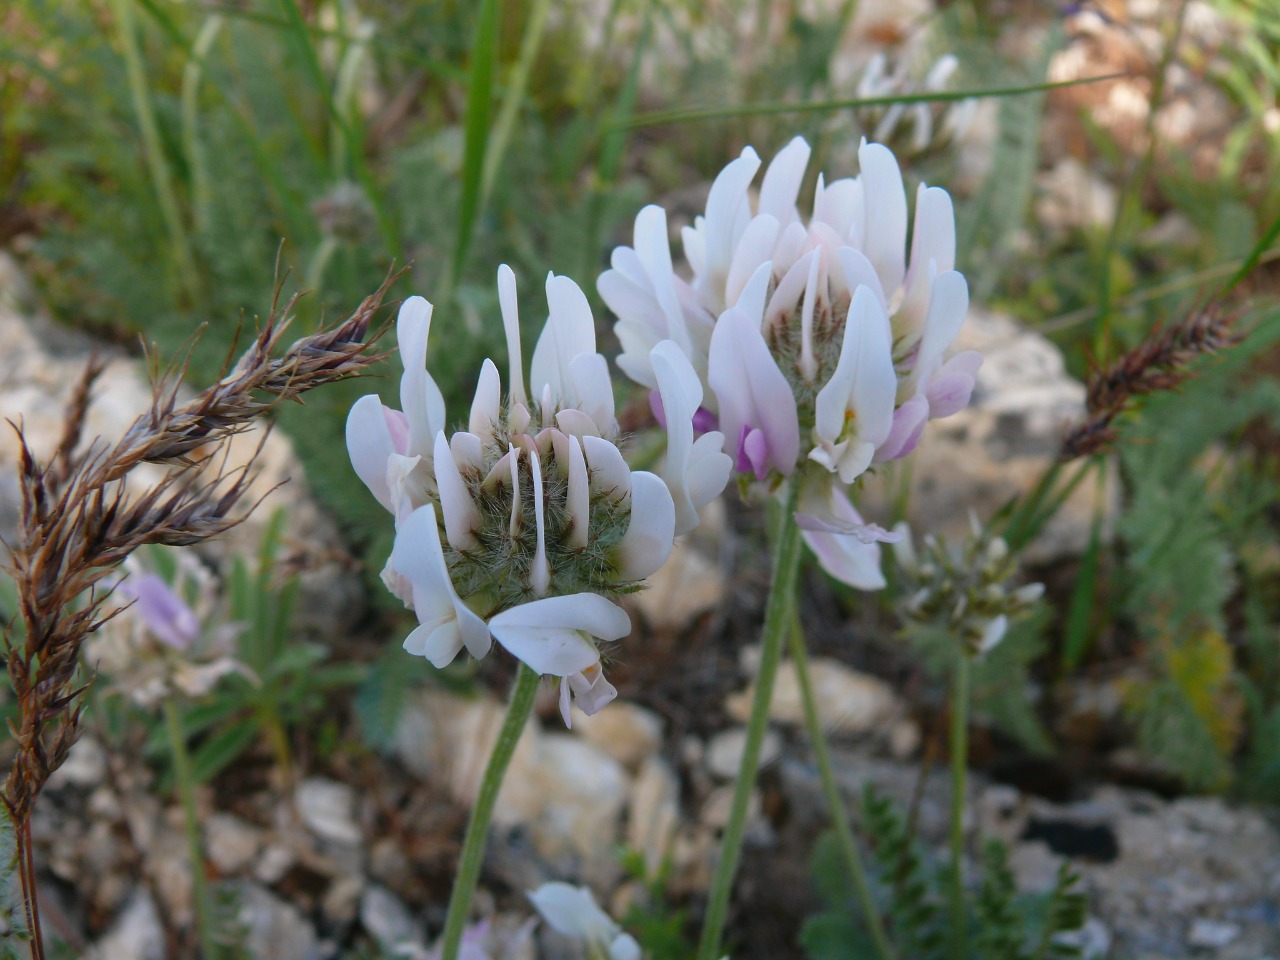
(756, 450)
(908, 423)
(163, 612)
(655, 404)
(704, 421)
(845, 557)
(951, 388)
(751, 390)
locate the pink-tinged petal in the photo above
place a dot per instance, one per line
(649, 538)
(951, 388)
(551, 635)
(705, 421)
(755, 449)
(858, 272)
(161, 610)
(948, 307)
(610, 474)
(486, 408)
(885, 213)
(752, 392)
(511, 327)
(420, 397)
(727, 213)
(789, 292)
(752, 299)
(398, 427)
(461, 516)
(578, 496)
(370, 446)
(447, 624)
(656, 408)
(577, 424)
(846, 557)
(754, 249)
(653, 249)
(864, 383)
(933, 251)
(681, 393)
(591, 692)
(837, 205)
(908, 423)
(781, 184)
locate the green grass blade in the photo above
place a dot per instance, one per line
(1260, 250)
(1080, 614)
(517, 86)
(691, 114)
(484, 55)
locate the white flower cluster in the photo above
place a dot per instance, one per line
(543, 521)
(821, 345)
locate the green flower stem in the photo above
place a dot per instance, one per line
(191, 821)
(777, 621)
(835, 802)
(959, 774)
(464, 885)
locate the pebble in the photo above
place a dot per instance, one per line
(724, 751)
(848, 702)
(654, 812)
(1212, 934)
(326, 806)
(626, 732)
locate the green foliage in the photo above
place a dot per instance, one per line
(1007, 925)
(651, 918)
(13, 918)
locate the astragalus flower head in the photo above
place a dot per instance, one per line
(821, 344)
(525, 526)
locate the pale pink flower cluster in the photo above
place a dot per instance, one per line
(543, 521)
(822, 345)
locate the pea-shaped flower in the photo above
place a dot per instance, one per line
(527, 526)
(822, 346)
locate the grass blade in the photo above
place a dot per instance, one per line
(517, 85)
(484, 55)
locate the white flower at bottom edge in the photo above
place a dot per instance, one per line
(572, 912)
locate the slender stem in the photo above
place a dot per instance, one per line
(27, 875)
(464, 885)
(191, 821)
(835, 802)
(786, 563)
(959, 773)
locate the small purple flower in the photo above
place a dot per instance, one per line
(162, 611)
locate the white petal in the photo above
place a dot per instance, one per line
(420, 397)
(369, 446)
(418, 557)
(681, 394)
(540, 575)
(487, 405)
(572, 912)
(781, 184)
(653, 248)
(610, 474)
(592, 390)
(511, 326)
(948, 306)
(624, 947)
(846, 557)
(648, 540)
(571, 330)
(859, 272)
(467, 451)
(461, 517)
(578, 496)
(753, 249)
(885, 213)
(551, 635)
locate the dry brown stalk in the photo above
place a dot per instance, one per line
(1160, 363)
(78, 524)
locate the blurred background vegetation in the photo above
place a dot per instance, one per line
(159, 159)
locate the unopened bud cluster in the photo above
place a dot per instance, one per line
(913, 129)
(968, 589)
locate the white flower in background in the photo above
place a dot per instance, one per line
(524, 526)
(157, 646)
(821, 345)
(572, 912)
(914, 128)
(500, 939)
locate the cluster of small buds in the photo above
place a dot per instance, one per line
(821, 344)
(544, 525)
(966, 588)
(158, 647)
(913, 129)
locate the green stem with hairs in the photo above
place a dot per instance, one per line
(959, 777)
(835, 802)
(464, 885)
(777, 621)
(191, 822)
